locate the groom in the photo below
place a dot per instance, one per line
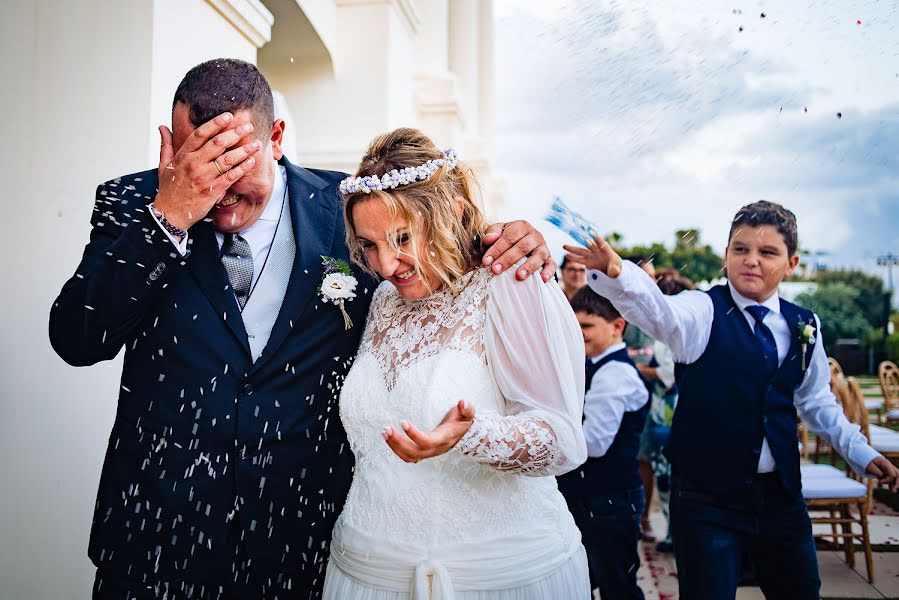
(227, 464)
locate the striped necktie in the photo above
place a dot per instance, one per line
(238, 262)
(764, 335)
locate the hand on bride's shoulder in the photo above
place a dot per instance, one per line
(416, 444)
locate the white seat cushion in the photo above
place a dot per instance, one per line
(893, 414)
(874, 404)
(878, 429)
(818, 471)
(832, 487)
(885, 443)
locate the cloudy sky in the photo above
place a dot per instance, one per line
(652, 116)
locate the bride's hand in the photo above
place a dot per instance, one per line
(416, 444)
(599, 256)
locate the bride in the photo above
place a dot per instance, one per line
(464, 401)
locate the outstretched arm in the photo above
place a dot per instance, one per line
(682, 322)
(819, 409)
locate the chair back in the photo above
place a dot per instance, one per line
(861, 411)
(888, 374)
(840, 390)
(835, 368)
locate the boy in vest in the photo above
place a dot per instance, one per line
(605, 494)
(747, 363)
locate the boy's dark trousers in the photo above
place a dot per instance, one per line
(610, 530)
(710, 538)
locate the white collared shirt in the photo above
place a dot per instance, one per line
(616, 388)
(684, 323)
(260, 234)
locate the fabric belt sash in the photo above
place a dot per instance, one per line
(435, 573)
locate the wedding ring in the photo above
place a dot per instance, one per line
(217, 167)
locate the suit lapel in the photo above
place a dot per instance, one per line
(206, 266)
(313, 214)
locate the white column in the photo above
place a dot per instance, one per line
(463, 56)
(436, 88)
(365, 89)
(467, 56)
(494, 186)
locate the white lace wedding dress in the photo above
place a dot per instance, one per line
(484, 521)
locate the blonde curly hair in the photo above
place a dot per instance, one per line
(430, 207)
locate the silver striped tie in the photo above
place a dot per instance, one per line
(238, 261)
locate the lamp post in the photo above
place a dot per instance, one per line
(887, 260)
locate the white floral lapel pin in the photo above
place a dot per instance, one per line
(807, 338)
(338, 285)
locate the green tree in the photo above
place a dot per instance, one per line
(869, 302)
(836, 305)
(694, 260)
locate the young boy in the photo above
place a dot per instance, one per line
(747, 363)
(605, 494)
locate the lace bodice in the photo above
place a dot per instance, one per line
(416, 360)
(400, 332)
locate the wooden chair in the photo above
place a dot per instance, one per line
(802, 434)
(831, 491)
(821, 446)
(859, 408)
(888, 375)
(835, 368)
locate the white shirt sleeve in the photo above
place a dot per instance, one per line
(180, 245)
(665, 360)
(616, 388)
(819, 409)
(535, 352)
(682, 322)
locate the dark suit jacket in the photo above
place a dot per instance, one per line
(207, 447)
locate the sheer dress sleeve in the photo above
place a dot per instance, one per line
(535, 352)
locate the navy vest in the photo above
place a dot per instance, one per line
(618, 469)
(729, 403)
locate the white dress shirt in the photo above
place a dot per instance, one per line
(665, 360)
(684, 323)
(616, 388)
(260, 234)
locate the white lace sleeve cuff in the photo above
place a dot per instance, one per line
(519, 443)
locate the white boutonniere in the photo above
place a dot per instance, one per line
(338, 285)
(807, 338)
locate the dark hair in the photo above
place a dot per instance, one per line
(226, 85)
(672, 283)
(768, 213)
(589, 302)
(566, 262)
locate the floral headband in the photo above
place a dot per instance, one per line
(398, 177)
